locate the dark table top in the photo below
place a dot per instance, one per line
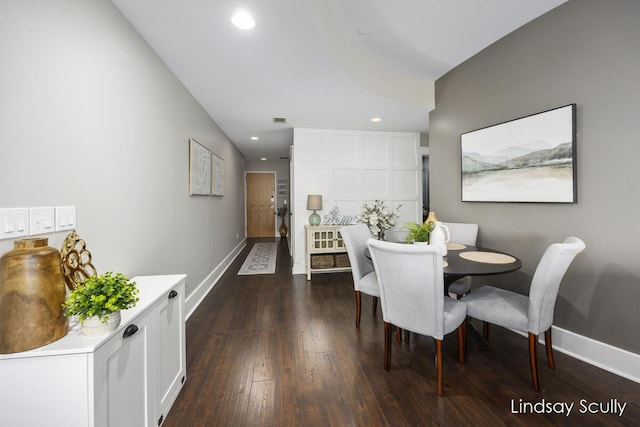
(458, 267)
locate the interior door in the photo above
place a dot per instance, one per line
(261, 219)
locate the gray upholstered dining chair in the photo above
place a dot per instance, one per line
(466, 234)
(412, 296)
(364, 277)
(532, 314)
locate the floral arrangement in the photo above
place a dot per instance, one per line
(379, 218)
(282, 211)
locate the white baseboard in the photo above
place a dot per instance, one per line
(299, 268)
(612, 359)
(195, 298)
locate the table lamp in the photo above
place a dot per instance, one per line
(314, 202)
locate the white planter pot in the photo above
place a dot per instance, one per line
(93, 326)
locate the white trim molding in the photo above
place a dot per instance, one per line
(605, 356)
(195, 298)
(601, 355)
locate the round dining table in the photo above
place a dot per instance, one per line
(467, 260)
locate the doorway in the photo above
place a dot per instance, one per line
(261, 219)
(425, 186)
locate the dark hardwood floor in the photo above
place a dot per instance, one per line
(276, 350)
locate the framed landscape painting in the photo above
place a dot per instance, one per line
(529, 160)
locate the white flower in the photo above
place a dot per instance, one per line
(378, 217)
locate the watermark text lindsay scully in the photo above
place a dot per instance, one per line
(584, 406)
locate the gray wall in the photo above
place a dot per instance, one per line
(585, 52)
(91, 117)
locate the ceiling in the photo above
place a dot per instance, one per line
(325, 64)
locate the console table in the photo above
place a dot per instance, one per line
(325, 249)
(129, 377)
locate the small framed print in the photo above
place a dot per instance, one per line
(217, 186)
(199, 169)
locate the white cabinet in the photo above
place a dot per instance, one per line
(129, 377)
(325, 249)
(171, 358)
(124, 376)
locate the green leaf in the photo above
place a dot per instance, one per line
(100, 296)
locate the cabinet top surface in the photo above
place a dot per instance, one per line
(324, 227)
(151, 289)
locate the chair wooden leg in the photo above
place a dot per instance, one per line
(485, 330)
(398, 334)
(407, 336)
(533, 360)
(387, 346)
(466, 335)
(549, 345)
(374, 308)
(358, 308)
(462, 334)
(439, 367)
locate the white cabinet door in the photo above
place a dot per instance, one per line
(124, 380)
(45, 391)
(171, 354)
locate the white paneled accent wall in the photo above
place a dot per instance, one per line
(350, 168)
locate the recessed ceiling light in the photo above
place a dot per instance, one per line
(254, 138)
(376, 119)
(263, 158)
(243, 20)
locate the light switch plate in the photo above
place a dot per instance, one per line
(65, 218)
(41, 220)
(14, 222)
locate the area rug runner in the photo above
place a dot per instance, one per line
(261, 259)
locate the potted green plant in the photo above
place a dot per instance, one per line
(97, 302)
(418, 232)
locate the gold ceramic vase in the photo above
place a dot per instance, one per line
(32, 291)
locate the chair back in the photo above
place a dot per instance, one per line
(466, 234)
(546, 282)
(396, 235)
(411, 286)
(355, 240)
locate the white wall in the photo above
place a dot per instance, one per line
(349, 168)
(91, 117)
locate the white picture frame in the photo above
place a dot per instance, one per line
(199, 169)
(217, 167)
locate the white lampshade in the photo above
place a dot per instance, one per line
(314, 202)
